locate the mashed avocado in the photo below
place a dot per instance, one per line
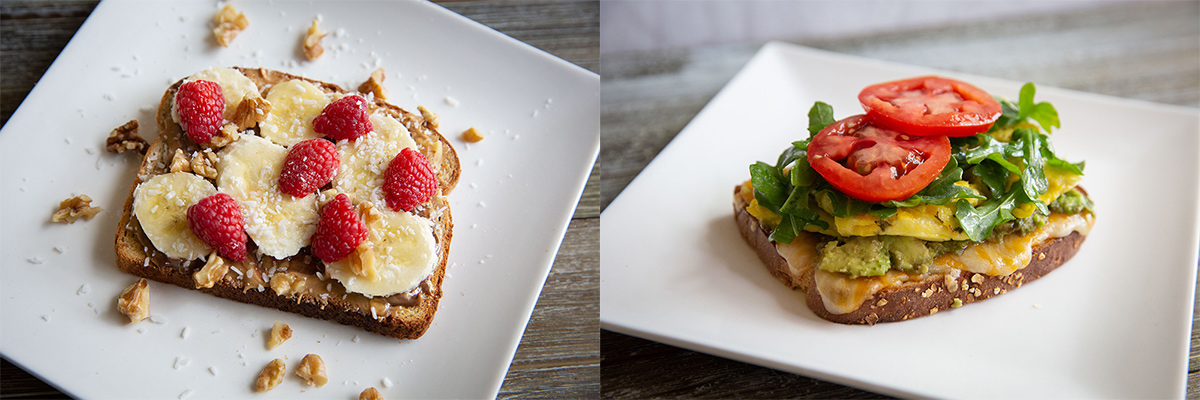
(1071, 202)
(875, 255)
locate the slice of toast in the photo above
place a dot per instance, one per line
(913, 298)
(312, 292)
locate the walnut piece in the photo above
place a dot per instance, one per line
(374, 84)
(180, 162)
(312, 42)
(430, 118)
(126, 138)
(212, 272)
(362, 262)
(284, 283)
(250, 111)
(134, 301)
(370, 394)
(472, 135)
(270, 377)
(204, 163)
(312, 369)
(74, 208)
(230, 22)
(280, 332)
(228, 134)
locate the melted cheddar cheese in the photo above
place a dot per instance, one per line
(842, 294)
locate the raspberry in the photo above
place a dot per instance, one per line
(217, 220)
(339, 231)
(309, 166)
(408, 181)
(200, 105)
(344, 119)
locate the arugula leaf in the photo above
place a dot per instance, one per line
(990, 149)
(819, 117)
(840, 205)
(766, 179)
(1033, 176)
(1025, 109)
(941, 191)
(802, 173)
(991, 175)
(785, 232)
(882, 212)
(977, 222)
(792, 153)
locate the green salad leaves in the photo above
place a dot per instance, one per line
(1007, 174)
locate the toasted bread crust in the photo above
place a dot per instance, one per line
(915, 299)
(137, 256)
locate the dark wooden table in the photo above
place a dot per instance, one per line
(1145, 50)
(559, 353)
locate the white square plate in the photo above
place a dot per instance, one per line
(1112, 322)
(519, 187)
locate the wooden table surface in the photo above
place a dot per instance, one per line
(1146, 50)
(559, 354)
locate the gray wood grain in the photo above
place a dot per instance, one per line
(559, 353)
(1145, 50)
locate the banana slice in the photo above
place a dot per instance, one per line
(364, 160)
(160, 204)
(404, 250)
(280, 224)
(294, 104)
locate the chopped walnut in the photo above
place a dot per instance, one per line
(312, 369)
(472, 135)
(280, 332)
(270, 377)
(212, 272)
(370, 394)
(134, 301)
(204, 163)
(312, 42)
(362, 262)
(250, 111)
(180, 162)
(374, 84)
(430, 118)
(126, 138)
(74, 208)
(368, 212)
(284, 283)
(230, 22)
(228, 134)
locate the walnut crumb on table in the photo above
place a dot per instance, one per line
(134, 301)
(312, 370)
(312, 42)
(472, 135)
(125, 138)
(74, 208)
(270, 377)
(229, 22)
(370, 394)
(374, 84)
(280, 332)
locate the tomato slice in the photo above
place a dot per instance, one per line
(873, 163)
(930, 106)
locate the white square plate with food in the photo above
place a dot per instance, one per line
(519, 187)
(1112, 322)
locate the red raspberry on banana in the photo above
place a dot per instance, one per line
(201, 106)
(344, 119)
(339, 231)
(217, 220)
(408, 181)
(309, 165)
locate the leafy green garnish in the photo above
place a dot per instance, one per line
(1007, 174)
(1011, 114)
(819, 117)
